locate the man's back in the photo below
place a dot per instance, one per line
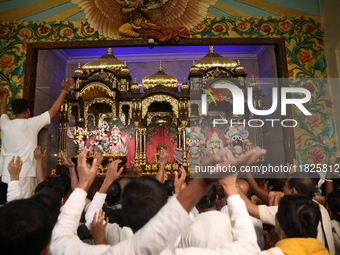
(19, 137)
(210, 229)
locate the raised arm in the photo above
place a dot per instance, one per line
(252, 208)
(39, 156)
(3, 106)
(65, 87)
(260, 192)
(99, 198)
(72, 169)
(163, 158)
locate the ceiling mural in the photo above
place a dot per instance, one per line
(49, 10)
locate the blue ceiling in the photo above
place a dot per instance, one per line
(161, 50)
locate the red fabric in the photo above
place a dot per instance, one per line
(160, 137)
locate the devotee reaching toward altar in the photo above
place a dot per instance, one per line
(161, 227)
(19, 136)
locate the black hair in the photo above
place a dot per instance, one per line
(298, 216)
(302, 184)
(170, 187)
(275, 183)
(50, 200)
(25, 227)
(113, 193)
(333, 200)
(142, 198)
(19, 106)
(66, 183)
(3, 193)
(208, 200)
(54, 185)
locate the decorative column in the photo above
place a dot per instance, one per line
(63, 115)
(137, 148)
(183, 127)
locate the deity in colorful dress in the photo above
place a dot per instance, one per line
(117, 143)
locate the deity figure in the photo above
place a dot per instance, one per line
(80, 137)
(214, 144)
(161, 20)
(102, 138)
(237, 140)
(117, 143)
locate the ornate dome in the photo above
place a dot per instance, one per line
(108, 61)
(213, 59)
(159, 78)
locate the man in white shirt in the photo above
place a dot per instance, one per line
(244, 187)
(19, 136)
(211, 228)
(297, 183)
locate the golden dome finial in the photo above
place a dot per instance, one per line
(185, 86)
(211, 49)
(238, 62)
(110, 51)
(79, 71)
(160, 65)
(134, 86)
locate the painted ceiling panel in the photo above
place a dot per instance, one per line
(38, 10)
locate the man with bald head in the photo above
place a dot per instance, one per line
(297, 183)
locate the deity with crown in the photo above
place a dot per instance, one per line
(117, 143)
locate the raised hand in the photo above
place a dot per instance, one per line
(112, 174)
(98, 227)
(179, 180)
(99, 156)
(86, 174)
(67, 161)
(14, 168)
(66, 85)
(38, 155)
(229, 185)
